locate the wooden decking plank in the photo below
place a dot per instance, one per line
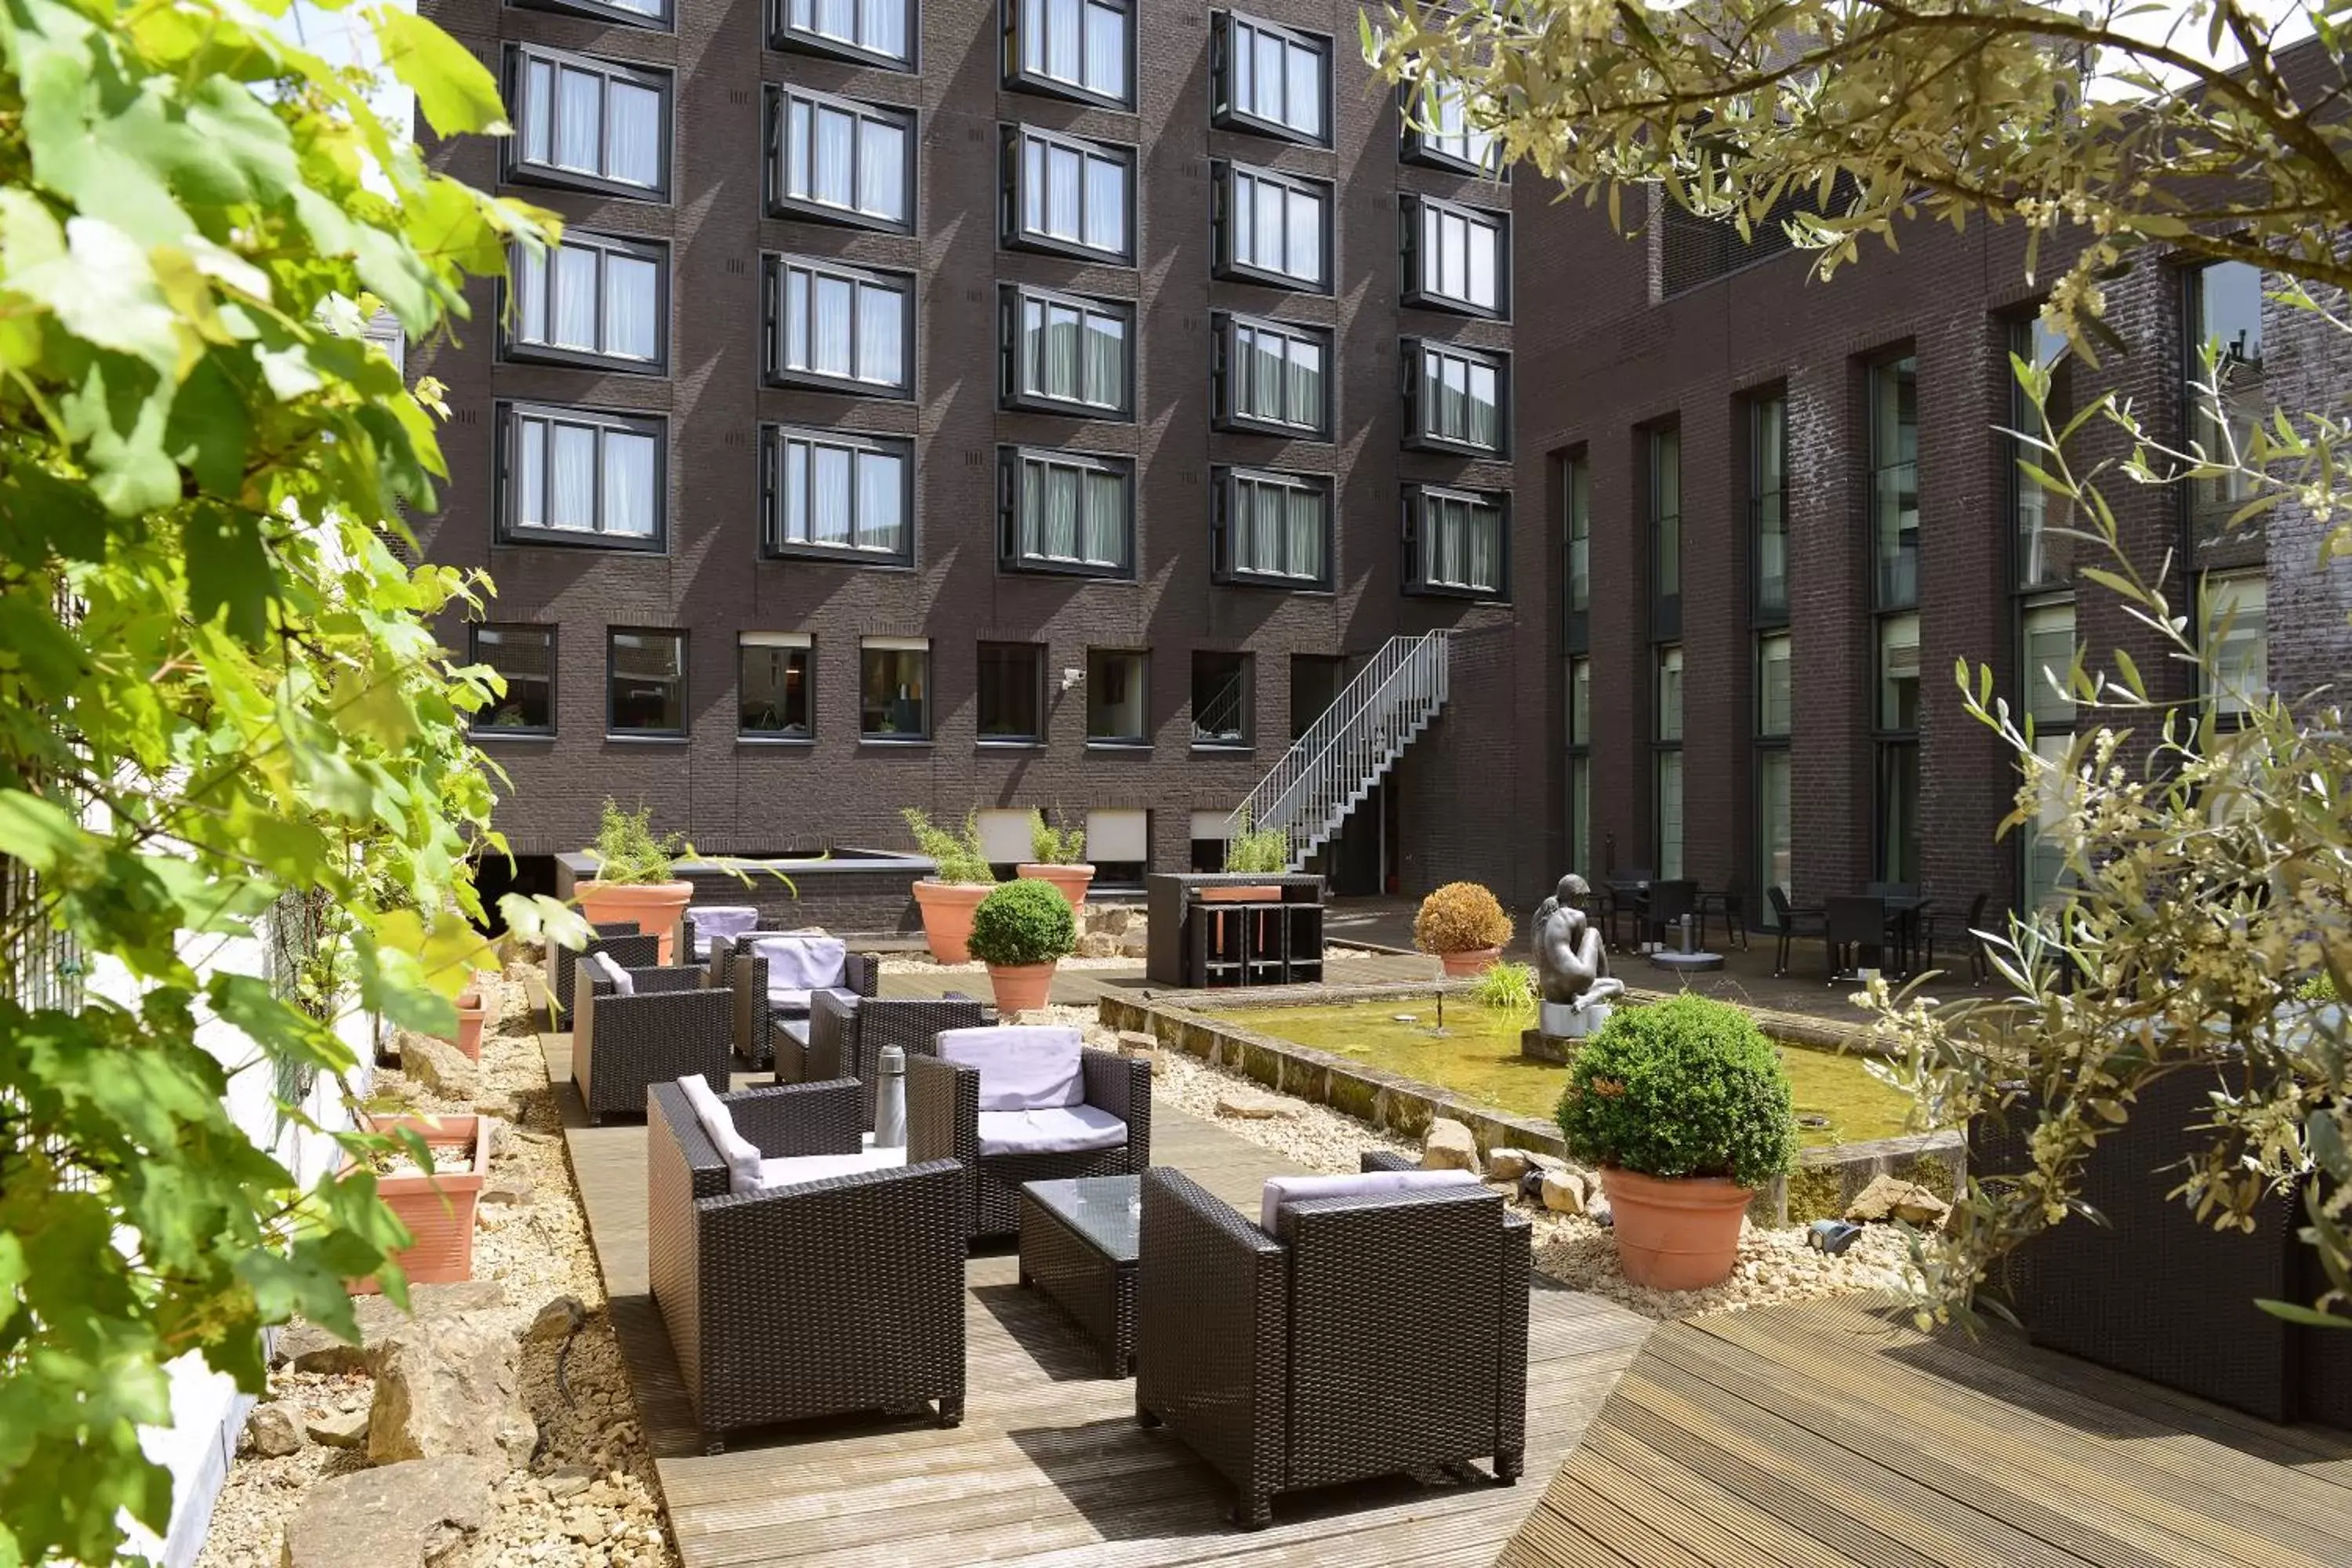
(1606, 1522)
(1719, 1525)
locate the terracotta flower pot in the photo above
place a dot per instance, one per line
(1021, 987)
(1470, 964)
(437, 1207)
(470, 1013)
(1675, 1233)
(1070, 881)
(653, 907)
(947, 916)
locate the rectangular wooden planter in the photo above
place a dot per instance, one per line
(436, 1207)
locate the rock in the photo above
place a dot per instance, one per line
(1136, 1043)
(449, 1388)
(1888, 1198)
(1564, 1191)
(1110, 920)
(569, 1480)
(399, 1516)
(307, 1347)
(270, 1433)
(584, 1527)
(556, 1321)
(343, 1429)
(1448, 1146)
(1537, 1160)
(1135, 944)
(441, 1068)
(1510, 1165)
(1254, 1105)
(1097, 944)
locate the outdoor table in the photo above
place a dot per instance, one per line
(1078, 1245)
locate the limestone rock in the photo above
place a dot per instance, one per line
(1510, 1165)
(569, 1480)
(1110, 920)
(1097, 944)
(449, 1388)
(1448, 1146)
(1564, 1191)
(1135, 944)
(399, 1516)
(557, 1322)
(1888, 1198)
(307, 1347)
(1254, 1105)
(343, 1429)
(270, 1433)
(441, 1068)
(508, 1188)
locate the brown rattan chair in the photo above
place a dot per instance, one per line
(747, 977)
(836, 1295)
(671, 1026)
(943, 1122)
(846, 1034)
(1375, 1334)
(629, 949)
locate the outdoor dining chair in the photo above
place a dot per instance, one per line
(1849, 926)
(1793, 922)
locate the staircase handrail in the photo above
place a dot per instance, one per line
(1273, 804)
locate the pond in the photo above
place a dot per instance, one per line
(1478, 1057)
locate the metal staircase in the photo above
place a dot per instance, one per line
(1330, 770)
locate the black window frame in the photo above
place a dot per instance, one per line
(929, 699)
(1413, 145)
(1247, 739)
(1879, 440)
(1657, 522)
(504, 412)
(1225, 175)
(1413, 291)
(774, 266)
(1009, 481)
(515, 168)
(1137, 743)
(807, 651)
(1226, 327)
(1417, 433)
(1012, 232)
(1415, 501)
(613, 731)
(1574, 468)
(1017, 78)
(802, 209)
(786, 38)
(1226, 115)
(475, 726)
(1010, 299)
(1763, 614)
(515, 350)
(1036, 736)
(1227, 481)
(665, 21)
(2208, 512)
(775, 434)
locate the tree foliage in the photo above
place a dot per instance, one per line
(217, 684)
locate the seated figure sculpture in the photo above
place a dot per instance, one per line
(1572, 960)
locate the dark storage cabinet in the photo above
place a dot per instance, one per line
(1197, 944)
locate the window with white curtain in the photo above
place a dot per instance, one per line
(1274, 528)
(871, 32)
(629, 13)
(1440, 131)
(595, 298)
(1071, 48)
(1067, 354)
(576, 475)
(1271, 376)
(1456, 258)
(844, 328)
(1068, 194)
(831, 495)
(1453, 397)
(1271, 80)
(840, 161)
(1456, 541)
(588, 122)
(1065, 512)
(1272, 228)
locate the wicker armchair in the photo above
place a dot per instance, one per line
(841, 1294)
(747, 977)
(669, 1028)
(1376, 1334)
(629, 950)
(846, 1034)
(943, 1123)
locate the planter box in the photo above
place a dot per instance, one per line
(438, 1208)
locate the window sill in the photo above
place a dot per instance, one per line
(985, 744)
(537, 735)
(898, 742)
(631, 738)
(1223, 749)
(800, 741)
(1130, 748)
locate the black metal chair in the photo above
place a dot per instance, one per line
(1794, 923)
(1731, 903)
(1980, 966)
(1850, 924)
(1662, 915)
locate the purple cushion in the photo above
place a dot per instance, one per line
(1281, 1190)
(1050, 1129)
(730, 920)
(1023, 1067)
(794, 996)
(604, 969)
(793, 1171)
(803, 962)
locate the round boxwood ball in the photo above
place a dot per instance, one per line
(1685, 1087)
(1023, 922)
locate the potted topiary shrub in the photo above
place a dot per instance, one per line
(1684, 1108)
(1057, 857)
(1021, 930)
(948, 897)
(1464, 926)
(633, 884)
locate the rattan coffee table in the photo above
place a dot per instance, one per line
(1077, 1245)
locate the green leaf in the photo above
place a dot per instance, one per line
(2307, 1316)
(452, 90)
(229, 572)
(36, 832)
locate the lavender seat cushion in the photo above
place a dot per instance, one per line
(743, 1156)
(1023, 1067)
(803, 962)
(1281, 1190)
(730, 920)
(1050, 1129)
(794, 997)
(793, 1172)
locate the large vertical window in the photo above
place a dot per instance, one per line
(1895, 718)
(1271, 376)
(843, 329)
(1066, 354)
(1067, 195)
(774, 673)
(1065, 512)
(1222, 699)
(1440, 131)
(1894, 483)
(839, 161)
(1775, 720)
(2046, 629)
(524, 658)
(1012, 693)
(870, 32)
(1273, 528)
(592, 299)
(1579, 765)
(1666, 758)
(572, 476)
(591, 124)
(1456, 541)
(2236, 631)
(1768, 503)
(1576, 551)
(2225, 309)
(894, 683)
(645, 683)
(1456, 258)
(1666, 531)
(1270, 80)
(1271, 229)
(1119, 691)
(1455, 398)
(2043, 555)
(831, 495)
(1071, 48)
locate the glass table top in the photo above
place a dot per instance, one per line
(1103, 1209)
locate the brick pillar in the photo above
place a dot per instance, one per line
(1829, 618)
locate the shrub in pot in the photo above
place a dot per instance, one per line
(1057, 857)
(1021, 930)
(949, 896)
(1464, 926)
(1684, 1107)
(633, 884)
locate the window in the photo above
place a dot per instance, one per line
(1768, 504)
(1274, 528)
(2045, 555)
(524, 658)
(1455, 398)
(774, 674)
(1119, 845)
(1071, 48)
(2047, 631)
(2237, 628)
(1438, 131)
(574, 476)
(588, 122)
(894, 679)
(1271, 229)
(1666, 734)
(1456, 258)
(840, 328)
(871, 32)
(1118, 687)
(1579, 765)
(592, 299)
(1894, 484)
(1456, 541)
(1269, 79)
(1270, 376)
(1066, 354)
(1576, 535)
(1896, 721)
(1065, 512)
(2225, 305)
(1222, 699)
(1011, 706)
(1775, 717)
(831, 495)
(839, 161)
(630, 13)
(1665, 532)
(1067, 195)
(645, 692)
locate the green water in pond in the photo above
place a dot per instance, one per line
(1478, 1058)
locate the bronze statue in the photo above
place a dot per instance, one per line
(1572, 960)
